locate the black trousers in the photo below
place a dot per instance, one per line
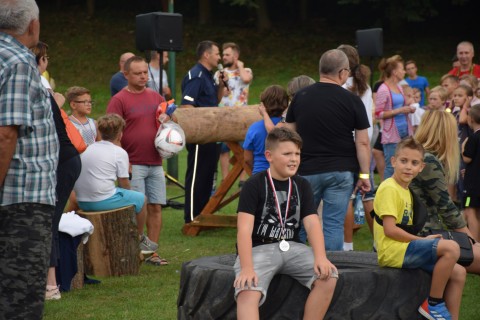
(67, 175)
(201, 166)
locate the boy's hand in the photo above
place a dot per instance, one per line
(247, 278)
(324, 269)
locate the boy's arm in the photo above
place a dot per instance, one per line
(247, 276)
(393, 232)
(323, 267)
(464, 157)
(248, 157)
(123, 183)
(266, 118)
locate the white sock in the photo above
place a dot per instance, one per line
(348, 246)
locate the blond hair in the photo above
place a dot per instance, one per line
(442, 92)
(437, 133)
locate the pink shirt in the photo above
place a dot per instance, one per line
(384, 103)
(138, 110)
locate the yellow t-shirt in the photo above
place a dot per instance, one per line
(391, 199)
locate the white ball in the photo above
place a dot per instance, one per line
(169, 142)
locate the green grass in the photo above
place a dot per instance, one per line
(85, 52)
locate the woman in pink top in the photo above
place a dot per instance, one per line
(390, 107)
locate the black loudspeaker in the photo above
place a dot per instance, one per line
(370, 42)
(159, 31)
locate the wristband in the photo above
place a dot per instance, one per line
(364, 176)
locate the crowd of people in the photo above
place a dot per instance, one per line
(315, 149)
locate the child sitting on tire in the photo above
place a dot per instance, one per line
(398, 248)
(271, 205)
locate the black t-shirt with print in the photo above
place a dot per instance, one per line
(472, 172)
(257, 199)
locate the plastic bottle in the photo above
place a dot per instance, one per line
(359, 212)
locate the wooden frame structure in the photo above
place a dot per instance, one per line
(207, 219)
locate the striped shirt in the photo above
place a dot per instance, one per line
(24, 102)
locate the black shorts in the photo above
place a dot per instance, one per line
(378, 144)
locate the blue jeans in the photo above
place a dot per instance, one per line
(335, 189)
(388, 152)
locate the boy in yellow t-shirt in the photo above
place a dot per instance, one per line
(399, 249)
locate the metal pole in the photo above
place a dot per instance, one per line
(172, 162)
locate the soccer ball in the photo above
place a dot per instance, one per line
(169, 142)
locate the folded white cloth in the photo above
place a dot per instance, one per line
(74, 225)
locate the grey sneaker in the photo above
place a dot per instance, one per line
(147, 246)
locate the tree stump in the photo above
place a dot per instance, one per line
(78, 280)
(112, 249)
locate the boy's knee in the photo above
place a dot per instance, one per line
(249, 297)
(326, 285)
(459, 273)
(451, 247)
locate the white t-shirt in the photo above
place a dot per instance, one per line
(45, 82)
(102, 163)
(154, 78)
(367, 101)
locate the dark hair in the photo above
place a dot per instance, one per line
(359, 72)
(410, 62)
(275, 100)
(204, 46)
(474, 113)
(74, 92)
(130, 60)
(110, 126)
(232, 45)
(468, 90)
(282, 135)
(410, 143)
(40, 50)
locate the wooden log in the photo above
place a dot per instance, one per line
(212, 124)
(112, 249)
(78, 280)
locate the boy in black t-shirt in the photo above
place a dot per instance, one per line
(271, 205)
(471, 157)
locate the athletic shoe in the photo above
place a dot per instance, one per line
(53, 294)
(147, 246)
(438, 312)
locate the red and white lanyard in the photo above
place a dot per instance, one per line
(283, 221)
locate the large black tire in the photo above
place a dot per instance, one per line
(364, 291)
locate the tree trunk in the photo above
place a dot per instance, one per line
(204, 12)
(112, 249)
(263, 20)
(78, 280)
(90, 8)
(204, 125)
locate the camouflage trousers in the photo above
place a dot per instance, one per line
(25, 242)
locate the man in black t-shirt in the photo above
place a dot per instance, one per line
(333, 124)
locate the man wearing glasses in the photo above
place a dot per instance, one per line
(325, 115)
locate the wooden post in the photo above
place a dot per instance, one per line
(113, 248)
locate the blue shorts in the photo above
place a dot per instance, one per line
(121, 198)
(269, 260)
(150, 180)
(421, 254)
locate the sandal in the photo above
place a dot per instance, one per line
(156, 260)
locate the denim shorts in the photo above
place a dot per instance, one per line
(269, 260)
(121, 198)
(150, 180)
(421, 254)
